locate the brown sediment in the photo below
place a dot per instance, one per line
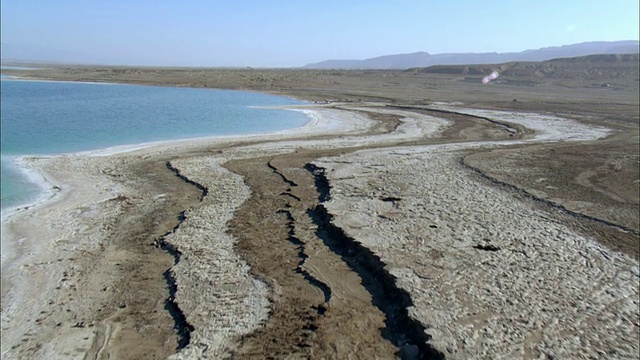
(304, 320)
(139, 262)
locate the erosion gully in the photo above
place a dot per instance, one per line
(331, 295)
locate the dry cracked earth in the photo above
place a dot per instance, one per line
(327, 276)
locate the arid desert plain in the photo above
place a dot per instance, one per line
(419, 215)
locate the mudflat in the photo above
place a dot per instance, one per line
(421, 214)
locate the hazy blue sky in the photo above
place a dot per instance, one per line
(273, 33)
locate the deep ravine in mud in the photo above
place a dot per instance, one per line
(331, 296)
(403, 331)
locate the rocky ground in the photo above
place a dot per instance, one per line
(395, 228)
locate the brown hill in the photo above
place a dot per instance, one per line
(424, 59)
(606, 67)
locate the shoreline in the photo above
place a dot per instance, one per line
(46, 194)
(321, 122)
(11, 244)
(45, 186)
(95, 187)
(37, 179)
(34, 247)
(18, 78)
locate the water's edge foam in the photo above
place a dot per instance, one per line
(33, 176)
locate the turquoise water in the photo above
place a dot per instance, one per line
(57, 117)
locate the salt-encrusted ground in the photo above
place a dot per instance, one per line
(490, 274)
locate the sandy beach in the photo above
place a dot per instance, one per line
(374, 231)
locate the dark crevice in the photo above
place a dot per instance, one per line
(284, 178)
(549, 203)
(202, 188)
(322, 184)
(181, 326)
(326, 290)
(488, 247)
(162, 243)
(286, 193)
(400, 329)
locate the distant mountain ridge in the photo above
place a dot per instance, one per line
(424, 59)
